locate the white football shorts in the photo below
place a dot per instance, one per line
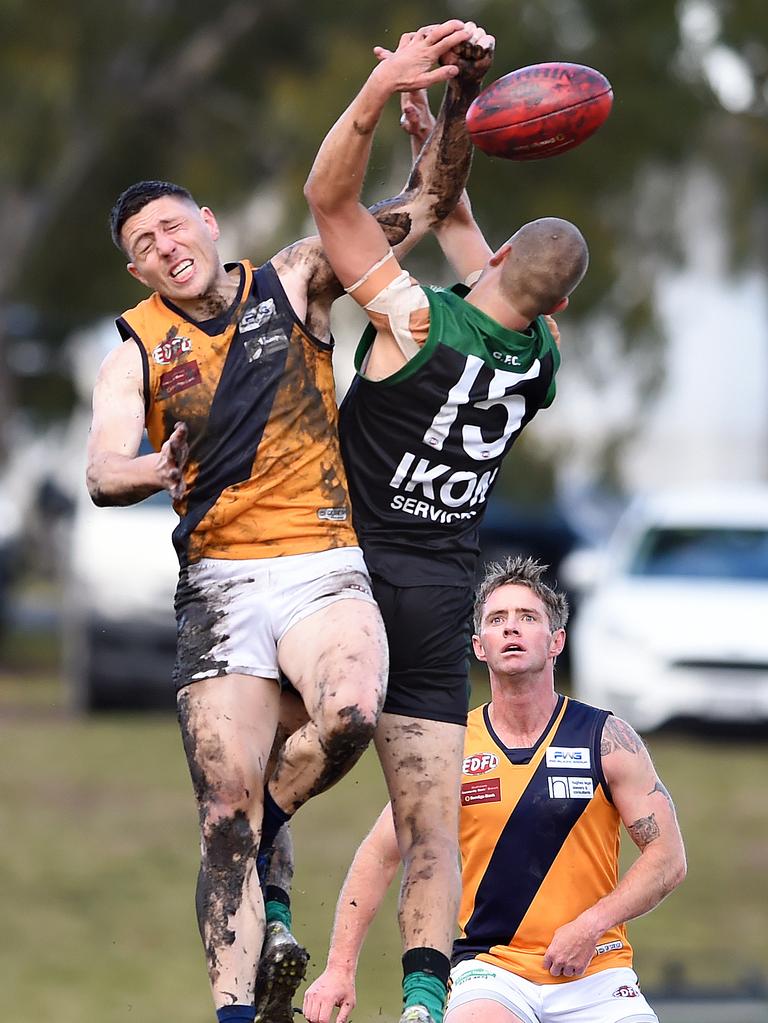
(610, 996)
(231, 614)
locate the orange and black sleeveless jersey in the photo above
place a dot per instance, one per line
(265, 476)
(539, 840)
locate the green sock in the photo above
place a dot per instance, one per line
(420, 988)
(278, 911)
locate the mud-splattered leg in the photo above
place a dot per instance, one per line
(228, 725)
(337, 659)
(422, 765)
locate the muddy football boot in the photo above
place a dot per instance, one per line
(416, 1014)
(282, 967)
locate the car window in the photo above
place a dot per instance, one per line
(703, 553)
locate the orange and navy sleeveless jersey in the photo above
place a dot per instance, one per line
(539, 839)
(265, 476)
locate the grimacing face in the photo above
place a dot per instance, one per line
(515, 635)
(171, 244)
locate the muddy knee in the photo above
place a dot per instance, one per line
(345, 735)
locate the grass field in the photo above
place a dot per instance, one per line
(99, 851)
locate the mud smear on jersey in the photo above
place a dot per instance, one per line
(311, 414)
(196, 634)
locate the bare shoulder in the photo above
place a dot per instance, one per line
(620, 736)
(300, 259)
(309, 283)
(123, 359)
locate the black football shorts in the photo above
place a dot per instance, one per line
(428, 630)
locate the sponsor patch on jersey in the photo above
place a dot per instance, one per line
(608, 946)
(264, 331)
(626, 991)
(569, 756)
(567, 787)
(256, 316)
(332, 514)
(179, 379)
(171, 349)
(488, 791)
(480, 763)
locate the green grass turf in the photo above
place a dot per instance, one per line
(99, 851)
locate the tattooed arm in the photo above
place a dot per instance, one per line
(458, 234)
(364, 888)
(353, 239)
(435, 185)
(648, 813)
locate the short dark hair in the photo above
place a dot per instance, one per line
(136, 198)
(547, 259)
(521, 572)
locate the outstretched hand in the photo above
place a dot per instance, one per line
(412, 65)
(172, 460)
(473, 57)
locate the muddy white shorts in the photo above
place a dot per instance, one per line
(610, 996)
(231, 614)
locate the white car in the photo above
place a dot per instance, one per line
(675, 624)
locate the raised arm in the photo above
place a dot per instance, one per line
(462, 242)
(352, 237)
(115, 475)
(648, 813)
(441, 165)
(375, 864)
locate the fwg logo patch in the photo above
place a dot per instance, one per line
(569, 756)
(480, 763)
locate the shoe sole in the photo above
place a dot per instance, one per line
(280, 972)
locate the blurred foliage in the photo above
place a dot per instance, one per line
(233, 101)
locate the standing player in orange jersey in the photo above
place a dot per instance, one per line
(547, 782)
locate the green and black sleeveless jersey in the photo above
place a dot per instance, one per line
(423, 447)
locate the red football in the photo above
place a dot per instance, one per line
(539, 111)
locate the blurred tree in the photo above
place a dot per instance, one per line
(234, 103)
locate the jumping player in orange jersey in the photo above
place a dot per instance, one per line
(229, 368)
(546, 784)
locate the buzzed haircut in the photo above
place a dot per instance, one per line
(518, 571)
(135, 198)
(547, 259)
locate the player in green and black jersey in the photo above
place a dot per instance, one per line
(445, 383)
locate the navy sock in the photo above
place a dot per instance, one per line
(273, 820)
(236, 1014)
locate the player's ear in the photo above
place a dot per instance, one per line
(134, 271)
(557, 643)
(562, 304)
(477, 646)
(210, 222)
(500, 255)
